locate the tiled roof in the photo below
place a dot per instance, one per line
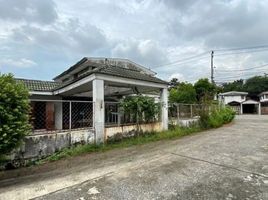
(38, 85)
(128, 73)
(117, 71)
(101, 61)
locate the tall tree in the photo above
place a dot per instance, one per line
(237, 85)
(205, 90)
(182, 93)
(256, 85)
(174, 82)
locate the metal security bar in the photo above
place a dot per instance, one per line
(60, 115)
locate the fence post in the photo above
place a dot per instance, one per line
(191, 107)
(70, 116)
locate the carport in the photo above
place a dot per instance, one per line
(250, 107)
(236, 106)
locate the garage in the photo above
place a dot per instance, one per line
(251, 107)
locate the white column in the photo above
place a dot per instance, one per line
(259, 109)
(58, 115)
(241, 108)
(164, 109)
(98, 107)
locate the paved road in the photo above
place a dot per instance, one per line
(226, 163)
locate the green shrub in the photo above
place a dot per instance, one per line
(14, 110)
(140, 108)
(216, 117)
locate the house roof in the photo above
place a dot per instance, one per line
(38, 85)
(128, 73)
(119, 72)
(266, 92)
(92, 61)
(233, 93)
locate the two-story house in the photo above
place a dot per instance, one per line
(264, 102)
(239, 102)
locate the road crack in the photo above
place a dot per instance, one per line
(218, 164)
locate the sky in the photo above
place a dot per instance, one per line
(41, 39)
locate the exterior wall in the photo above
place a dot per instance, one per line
(264, 108)
(228, 99)
(264, 97)
(110, 131)
(38, 146)
(186, 122)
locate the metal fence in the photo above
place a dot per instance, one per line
(187, 111)
(60, 115)
(65, 115)
(115, 116)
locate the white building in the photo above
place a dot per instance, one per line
(264, 102)
(238, 101)
(86, 96)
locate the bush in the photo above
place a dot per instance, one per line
(14, 110)
(140, 108)
(216, 118)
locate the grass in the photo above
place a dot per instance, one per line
(216, 119)
(176, 132)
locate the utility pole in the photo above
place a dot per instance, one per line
(212, 67)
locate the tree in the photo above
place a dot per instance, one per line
(14, 110)
(173, 83)
(237, 85)
(204, 89)
(183, 93)
(256, 85)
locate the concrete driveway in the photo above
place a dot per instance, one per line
(226, 163)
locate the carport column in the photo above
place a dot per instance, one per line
(98, 108)
(164, 109)
(259, 108)
(241, 108)
(58, 115)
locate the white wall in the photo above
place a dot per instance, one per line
(228, 99)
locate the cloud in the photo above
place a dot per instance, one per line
(41, 12)
(152, 33)
(146, 52)
(19, 63)
(68, 37)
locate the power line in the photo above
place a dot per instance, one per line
(237, 76)
(242, 52)
(228, 79)
(201, 55)
(243, 48)
(182, 61)
(246, 69)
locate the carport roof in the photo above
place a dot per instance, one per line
(250, 102)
